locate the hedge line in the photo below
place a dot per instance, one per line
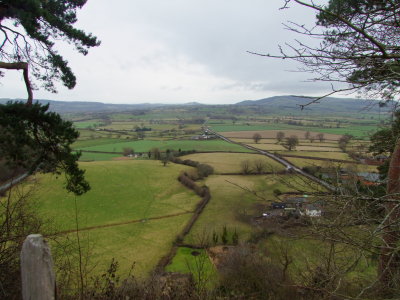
(204, 193)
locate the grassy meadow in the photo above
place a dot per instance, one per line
(195, 261)
(88, 156)
(233, 207)
(130, 192)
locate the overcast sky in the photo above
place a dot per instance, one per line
(179, 51)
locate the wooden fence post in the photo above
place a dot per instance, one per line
(38, 279)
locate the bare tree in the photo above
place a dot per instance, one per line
(17, 220)
(320, 137)
(245, 167)
(259, 166)
(344, 141)
(155, 153)
(256, 137)
(358, 45)
(279, 136)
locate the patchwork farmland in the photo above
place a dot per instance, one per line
(138, 213)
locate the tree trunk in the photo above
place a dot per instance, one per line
(389, 258)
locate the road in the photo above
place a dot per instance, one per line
(12, 182)
(288, 165)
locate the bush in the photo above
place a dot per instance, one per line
(190, 163)
(126, 151)
(313, 170)
(247, 275)
(204, 170)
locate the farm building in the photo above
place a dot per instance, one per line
(312, 210)
(203, 137)
(278, 205)
(295, 201)
(369, 177)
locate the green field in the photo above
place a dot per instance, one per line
(121, 191)
(141, 243)
(230, 205)
(198, 264)
(88, 156)
(95, 142)
(147, 145)
(128, 192)
(231, 162)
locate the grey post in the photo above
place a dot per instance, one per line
(38, 279)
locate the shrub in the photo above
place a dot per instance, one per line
(126, 151)
(245, 274)
(204, 170)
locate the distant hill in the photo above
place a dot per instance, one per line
(85, 106)
(328, 104)
(194, 103)
(278, 104)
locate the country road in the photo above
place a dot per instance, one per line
(12, 182)
(284, 162)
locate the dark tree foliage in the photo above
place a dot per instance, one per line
(29, 29)
(384, 141)
(38, 140)
(291, 142)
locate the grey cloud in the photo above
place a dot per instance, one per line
(146, 36)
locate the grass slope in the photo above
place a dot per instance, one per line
(231, 206)
(141, 243)
(121, 191)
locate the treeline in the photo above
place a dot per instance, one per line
(203, 170)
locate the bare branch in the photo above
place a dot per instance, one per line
(21, 66)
